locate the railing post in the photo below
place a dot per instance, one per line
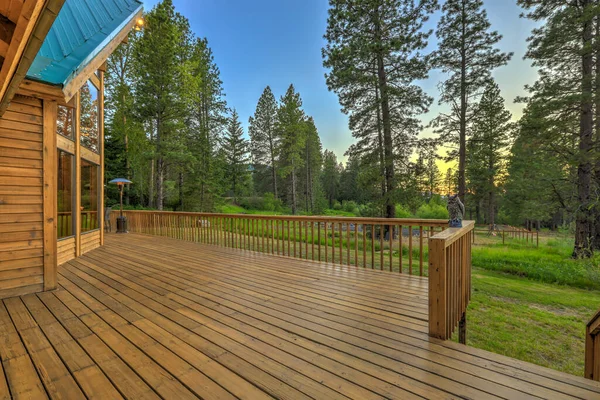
(592, 348)
(437, 289)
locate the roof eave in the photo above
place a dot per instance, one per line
(95, 60)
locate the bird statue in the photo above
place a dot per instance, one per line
(456, 210)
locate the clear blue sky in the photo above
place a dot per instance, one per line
(278, 42)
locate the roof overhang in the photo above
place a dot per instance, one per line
(29, 21)
(93, 62)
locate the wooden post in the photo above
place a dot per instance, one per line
(77, 186)
(462, 329)
(101, 151)
(50, 208)
(437, 288)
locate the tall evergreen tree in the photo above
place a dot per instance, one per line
(235, 148)
(488, 147)
(563, 50)
(264, 142)
(206, 121)
(291, 130)
(330, 177)
(466, 52)
(159, 54)
(374, 53)
(312, 164)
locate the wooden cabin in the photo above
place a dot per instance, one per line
(52, 57)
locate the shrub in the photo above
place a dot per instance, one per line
(350, 206)
(337, 205)
(432, 211)
(402, 212)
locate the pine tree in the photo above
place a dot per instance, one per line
(312, 164)
(264, 142)
(206, 111)
(235, 148)
(159, 54)
(563, 50)
(330, 177)
(466, 52)
(374, 53)
(488, 147)
(291, 130)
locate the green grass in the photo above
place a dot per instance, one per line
(550, 263)
(531, 321)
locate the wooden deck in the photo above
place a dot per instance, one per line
(150, 317)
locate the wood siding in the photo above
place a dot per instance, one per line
(90, 241)
(21, 198)
(66, 250)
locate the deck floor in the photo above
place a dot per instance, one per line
(149, 317)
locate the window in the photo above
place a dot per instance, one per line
(64, 224)
(89, 109)
(89, 196)
(65, 122)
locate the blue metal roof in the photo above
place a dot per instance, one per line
(81, 30)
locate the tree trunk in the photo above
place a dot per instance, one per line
(584, 221)
(462, 136)
(160, 166)
(596, 156)
(380, 143)
(293, 189)
(181, 191)
(390, 209)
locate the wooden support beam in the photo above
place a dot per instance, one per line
(49, 193)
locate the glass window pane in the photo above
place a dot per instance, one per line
(64, 224)
(88, 103)
(89, 196)
(65, 121)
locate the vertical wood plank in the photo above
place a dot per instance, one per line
(77, 186)
(101, 152)
(50, 209)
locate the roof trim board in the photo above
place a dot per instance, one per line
(35, 20)
(95, 61)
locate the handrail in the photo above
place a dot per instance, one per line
(361, 242)
(450, 281)
(592, 348)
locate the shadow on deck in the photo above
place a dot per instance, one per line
(151, 317)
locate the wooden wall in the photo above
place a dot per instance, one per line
(21, 198)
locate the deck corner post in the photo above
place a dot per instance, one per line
(437, 289)
(462, 329)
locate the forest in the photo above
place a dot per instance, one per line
(170, 129)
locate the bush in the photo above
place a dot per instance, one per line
(350, 206)
(337, 205)
(266, 203)
(432, 211)
(402, 212)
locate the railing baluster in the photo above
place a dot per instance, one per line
(391, 240)
(333, 242)
(381, 237)
(312, 240)
(410, 255)
(421, 250)
(347, 244)
(372, 246)
(326, 241)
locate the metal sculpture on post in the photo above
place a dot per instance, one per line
(121, 220)
(456, 211)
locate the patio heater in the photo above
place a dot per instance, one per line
(121, 220)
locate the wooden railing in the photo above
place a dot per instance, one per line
(450, 281)
(361, 242)
(592, 348)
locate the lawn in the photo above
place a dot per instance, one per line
(532, 321)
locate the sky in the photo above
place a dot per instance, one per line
(278, 42)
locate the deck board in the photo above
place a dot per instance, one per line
(146, 317)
